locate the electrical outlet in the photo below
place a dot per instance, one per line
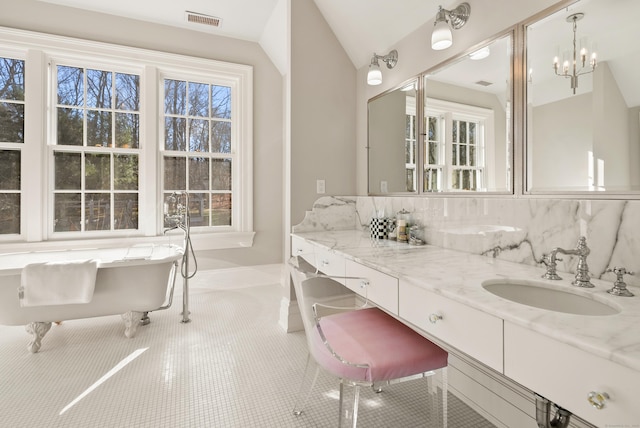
(320, 188)
(384, 188)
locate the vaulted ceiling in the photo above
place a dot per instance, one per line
(362, 26)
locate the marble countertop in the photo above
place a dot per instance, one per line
(459, 276)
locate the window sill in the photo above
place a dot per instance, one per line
(200, 242)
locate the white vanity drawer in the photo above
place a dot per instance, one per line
(323, 259)
(330, 263)
(302, 247)
(380, 288)
(566, 375)
(473, 332)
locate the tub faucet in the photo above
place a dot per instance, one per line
(582, 270)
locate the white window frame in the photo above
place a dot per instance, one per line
(236, 131)
(36, 173)
(448, 111)
(19, 54)
(412, 140)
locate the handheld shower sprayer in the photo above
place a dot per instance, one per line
(176, 216)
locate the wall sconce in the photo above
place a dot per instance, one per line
(441, 37)
(374, 76)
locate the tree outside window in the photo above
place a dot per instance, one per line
(12, 104)
(198, 156)
(96, 158)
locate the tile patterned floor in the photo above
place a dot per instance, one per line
(231, 366)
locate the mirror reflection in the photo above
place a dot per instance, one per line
(466, 142)
(583, 114)
(392, 141)
(467, 107)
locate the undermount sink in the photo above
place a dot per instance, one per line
(542, 296)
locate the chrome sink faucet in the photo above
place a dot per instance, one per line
(582, 270)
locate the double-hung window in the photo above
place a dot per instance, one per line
(410, 144)
(197, 153)
(12, 105)
(455, 149)
(94, 138)
(95, 153)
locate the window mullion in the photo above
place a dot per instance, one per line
(33, 167)
(150, 157)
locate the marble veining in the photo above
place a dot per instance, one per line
(459, 275)
(511, 229)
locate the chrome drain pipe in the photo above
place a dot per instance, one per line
(543, 414)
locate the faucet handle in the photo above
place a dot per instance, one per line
(620, 272)
(619, 287)
(549, 260)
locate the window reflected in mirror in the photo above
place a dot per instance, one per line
(467, 107)
(457, 138)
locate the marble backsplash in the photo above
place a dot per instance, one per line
(515, 229)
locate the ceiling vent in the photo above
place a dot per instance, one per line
(200, 18)
(483, 83)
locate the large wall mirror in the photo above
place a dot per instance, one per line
(582, 123)
(467, 108)
(392, 141)
(448, 131)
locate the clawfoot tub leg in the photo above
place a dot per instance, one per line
(131, 322)
(37, 330)
(145, 318)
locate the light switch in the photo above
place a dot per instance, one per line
(320, 188)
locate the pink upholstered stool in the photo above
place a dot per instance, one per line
(362, 347)
(387, 348)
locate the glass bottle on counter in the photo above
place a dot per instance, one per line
(402, 225)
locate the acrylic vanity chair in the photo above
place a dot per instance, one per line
(362, 346)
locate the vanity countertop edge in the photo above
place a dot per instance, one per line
(458, 276)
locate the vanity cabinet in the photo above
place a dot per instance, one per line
(302, 247)
(378, 287)
(567, 375)
(322, 258)
(473, 332)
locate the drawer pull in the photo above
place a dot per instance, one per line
(434, 318)
(299, 251)
(324, 263)
(364, 284)
(598, 399)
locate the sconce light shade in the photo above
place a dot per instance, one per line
(374, 77)
(442, 37)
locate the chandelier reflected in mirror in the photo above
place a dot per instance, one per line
(582, 60)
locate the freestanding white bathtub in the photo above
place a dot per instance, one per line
(129, 281)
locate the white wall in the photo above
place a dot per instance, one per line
(387, 151)
(611, 129)
(268, 102)
(596, 122)
(565, 159)
(322, 100)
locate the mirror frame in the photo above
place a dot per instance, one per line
(512, 122)
(523, 124)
